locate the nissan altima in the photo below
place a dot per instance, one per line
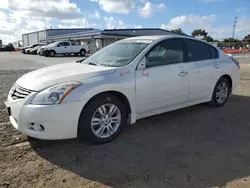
(93, 99)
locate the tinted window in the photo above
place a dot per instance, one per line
(197, 51)
(214, 53)
(165, 53)
(64, 44)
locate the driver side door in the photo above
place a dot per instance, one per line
(63, 47)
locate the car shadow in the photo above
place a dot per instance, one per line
(197, 146)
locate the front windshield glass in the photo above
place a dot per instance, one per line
(51, 44)
(118, 54)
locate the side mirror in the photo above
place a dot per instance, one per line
(58, 45)
(142, 64)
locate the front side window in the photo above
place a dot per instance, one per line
(60, 44)
(165, 53)
(118, 54)
(66, 44)
(197, 51)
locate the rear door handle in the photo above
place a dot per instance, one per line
(183, 73)
(216, 66)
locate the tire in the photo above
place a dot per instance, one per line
(217, 100)
(88, 132)
(82, 52)
(52, 53)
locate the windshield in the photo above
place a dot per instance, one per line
(52, 44)
(118, 54)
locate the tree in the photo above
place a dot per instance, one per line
(230, 42)
(199, 32)
(208, 39)
(247, 39)
(178, 31)
(10, 44)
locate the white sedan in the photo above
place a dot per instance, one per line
(125, 81)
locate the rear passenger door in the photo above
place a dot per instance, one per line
(203, 69)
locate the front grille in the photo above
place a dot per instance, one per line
(18, 92)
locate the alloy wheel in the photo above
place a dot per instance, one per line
(221, 92)
(106, 120)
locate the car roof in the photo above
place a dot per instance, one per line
(161, 37)
(156, 37)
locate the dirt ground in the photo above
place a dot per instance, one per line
(194, 147)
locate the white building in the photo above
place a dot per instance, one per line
(38, 36)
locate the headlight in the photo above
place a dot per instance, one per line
(54, 94)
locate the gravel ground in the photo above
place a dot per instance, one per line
(197, 146)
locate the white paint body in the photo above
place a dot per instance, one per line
(149, 91)
(59, 49)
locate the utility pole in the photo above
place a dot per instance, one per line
(234, 26)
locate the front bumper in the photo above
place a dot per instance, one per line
(33, 52)
(48, 122)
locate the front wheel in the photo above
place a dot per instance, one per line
(221, 92)
(102, 119)
(52, 53)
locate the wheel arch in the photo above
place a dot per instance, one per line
(52, 50)
(123, 98)
(228, 77)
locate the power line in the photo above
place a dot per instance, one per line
(234, 26)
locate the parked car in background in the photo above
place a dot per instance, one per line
(121, 83)
(30, 46)
(7, 48)
(65, 47)
(27, 51)
(34, 50)
(40, 50)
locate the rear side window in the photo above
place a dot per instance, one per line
(213, 52)
(198, 51)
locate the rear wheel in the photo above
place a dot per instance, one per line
(221, 92)
(83, 52)
(102, 119)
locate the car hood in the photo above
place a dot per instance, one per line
(45, 77)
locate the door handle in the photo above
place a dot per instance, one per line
(216, 66)
(65, 47)
(183, 73)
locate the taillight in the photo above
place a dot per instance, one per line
(236, 62)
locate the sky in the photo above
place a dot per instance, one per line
(215, 16)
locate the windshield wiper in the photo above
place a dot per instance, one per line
(92, 63)
(79, 61)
